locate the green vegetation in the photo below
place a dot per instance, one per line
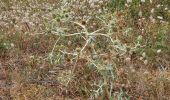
(84, 49)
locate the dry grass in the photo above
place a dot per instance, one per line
(79, 50)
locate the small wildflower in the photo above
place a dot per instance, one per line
(31, 57)
(146, 72)
(145, 62)
(139, 38)
(4, 44)
(143, 30)
(143, 54)
(128, 59)
(141, 58)
(50, 55)
(142, 0)
(69, 43)
(166, 8)
(129, 1)
(94, 56)
(132, 69)
(160, 17)
(101, 2)
(92, 5)
(140, 13)
(41, 67)
(52, 71)
(123, 85)
(78, 49)
(126, 5)
(158, 51)
(138, 45)
(12, 44)
(152, 10)
(151, 1)
(16, 26)
(152, 19)
(26, 33)
(158, 5)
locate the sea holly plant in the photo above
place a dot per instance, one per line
(90, 36)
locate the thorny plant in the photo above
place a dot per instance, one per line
(110, 49)
(106, 70)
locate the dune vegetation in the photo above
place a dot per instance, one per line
(84, 49)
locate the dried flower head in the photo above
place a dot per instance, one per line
(142, 0)
(129, 1)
